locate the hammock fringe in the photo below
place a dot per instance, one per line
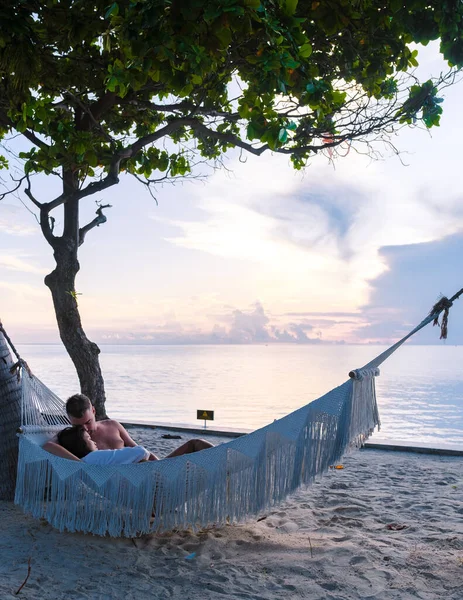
(220, 485)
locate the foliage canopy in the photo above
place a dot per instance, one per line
(95, 87)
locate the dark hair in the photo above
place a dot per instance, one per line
(76, 405)
(72, 438)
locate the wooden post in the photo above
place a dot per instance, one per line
(10, 420)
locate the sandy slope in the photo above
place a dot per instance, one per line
(330, 541)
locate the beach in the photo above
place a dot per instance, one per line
(386, 526)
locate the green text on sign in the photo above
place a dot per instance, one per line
(206, 415)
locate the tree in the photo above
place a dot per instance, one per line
(10, 420)
(151, 87)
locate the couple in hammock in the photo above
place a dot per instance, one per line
(103, 442)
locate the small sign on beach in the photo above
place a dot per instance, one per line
(207, 415)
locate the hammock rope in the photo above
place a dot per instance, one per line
(215, 486)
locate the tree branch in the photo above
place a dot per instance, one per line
(46, 222)
(98, 108)
(229, 138)
(89, 118)
(7, 122)
(28, 193)
(113, 173)
(183, 107)
(19, 182)
(97, 221)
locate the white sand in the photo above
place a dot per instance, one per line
(330, 541)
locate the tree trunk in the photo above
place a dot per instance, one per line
(83, 352)
(10, 420)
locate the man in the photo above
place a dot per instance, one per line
(107, 434)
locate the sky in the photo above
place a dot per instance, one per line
(357, 252)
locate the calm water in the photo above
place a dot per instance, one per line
(420, 390)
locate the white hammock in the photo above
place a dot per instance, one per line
(218, 485)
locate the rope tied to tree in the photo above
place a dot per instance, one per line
(444, 304)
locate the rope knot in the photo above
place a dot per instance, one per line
(16, 368)
(444, 304)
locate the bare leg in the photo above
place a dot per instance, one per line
(191, 446)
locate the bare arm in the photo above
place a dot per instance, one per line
(58, 450)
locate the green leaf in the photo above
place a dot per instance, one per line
(163, 162)
(290, 7)
(112, 84)
(91, 159)
(224, 35)
(112, 11)
(282, 135)
(338, 97)
(251, 133)
(305, 50)
(290, 63)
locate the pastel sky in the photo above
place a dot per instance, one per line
(358, 252)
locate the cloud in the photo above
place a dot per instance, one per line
(314, 243)
(296, 333)
(13, 221)
(27, 313)
(326, 315)
(22, 290)
(402, 296)
(251, 326)
(318, 216)
(293, 220)
(16, 263)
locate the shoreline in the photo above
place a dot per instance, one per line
(387, 445)
(385, 526)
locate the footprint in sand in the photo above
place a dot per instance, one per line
(344, 538)
(330, 586)
(282, 523)
(357, 560)
(191, 547)
(338, 485)
(289, 527)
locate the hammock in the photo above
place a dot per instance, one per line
(212, 487)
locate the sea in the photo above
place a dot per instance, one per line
(419, 390)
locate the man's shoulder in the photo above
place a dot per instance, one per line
(109, 424)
